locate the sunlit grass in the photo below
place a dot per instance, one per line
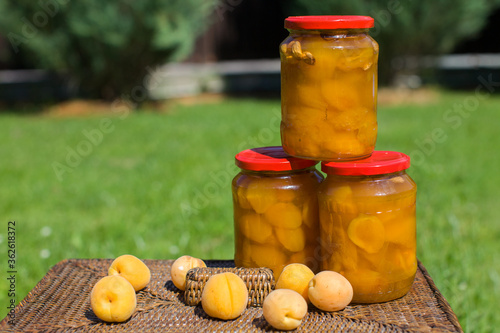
(157, 185)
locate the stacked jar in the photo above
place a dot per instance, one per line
(366, 204)
(368, 225)
(275, 210)
(329, 88)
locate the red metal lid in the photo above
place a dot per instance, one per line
(378, 163)
(270, 159)
(326, 22)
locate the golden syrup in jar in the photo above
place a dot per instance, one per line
(329, 88)
(275, 210)
(368, 225)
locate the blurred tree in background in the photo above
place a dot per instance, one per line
(406, 27)
(107, 47)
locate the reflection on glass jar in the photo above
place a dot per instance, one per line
(275, 210)
(368, 225)
(329, 88)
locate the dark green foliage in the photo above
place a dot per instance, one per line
(408, 27)
(106, 46)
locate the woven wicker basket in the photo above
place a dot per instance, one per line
(259, 281)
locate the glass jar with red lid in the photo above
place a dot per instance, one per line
(275, 210)
(368, 225)
(329, 87)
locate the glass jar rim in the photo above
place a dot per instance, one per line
(272, 158)
(327, 22)
(380, 162)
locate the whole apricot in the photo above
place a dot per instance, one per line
(225, 296)
(181, 266)
(296, 277)
(284, 309)
(113, 299)
(131, 268)
(330, 291)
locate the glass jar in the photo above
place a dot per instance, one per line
(329, 88)
(368, 225)
(275, 210)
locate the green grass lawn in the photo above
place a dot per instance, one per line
(157, 185)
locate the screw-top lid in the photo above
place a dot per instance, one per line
(326, 22)
(380, 162)
(270, 159)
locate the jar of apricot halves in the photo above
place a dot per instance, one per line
(275, 210)
(329, 87)
(368, 225)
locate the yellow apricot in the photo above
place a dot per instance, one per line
(268, 256)
(324, 64)
(240, 185)
(131, 268)
(372, 286)
(339, 253)
(346, 143)
(366, 284)
(308, 118)
(181, 266)
(332, 262)
(399, 260)
(372, 260)
(293, 240)
(347, 91)
(113, 299)
(358, 58)
(241, 199)
(304, 95)
(225, 296)
(400, 227)
(284, 215)
(296, 277)
(309, 257)
(305, 130)
(367, 232)
(352, 120)
(255, 228)
(367, 133)
(342, 200)
(260, 196)
(340, 95)
(284, 309)
(330, 291)
(299, 141)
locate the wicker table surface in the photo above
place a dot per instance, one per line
(61, 302)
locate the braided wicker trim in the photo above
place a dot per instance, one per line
(259, 281)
